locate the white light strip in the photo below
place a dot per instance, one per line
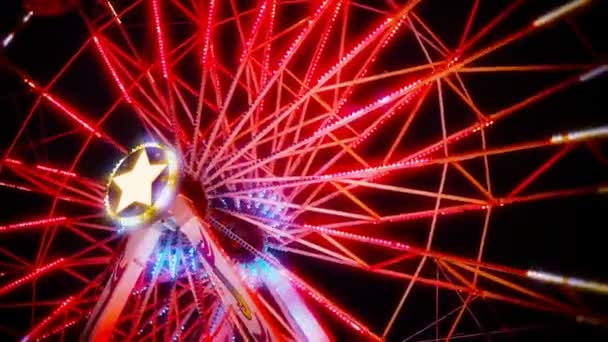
(593, 73)
(568, 281)
(8, 39)
(597, 132)
(114, 12)
(27, 17)
(558, 12)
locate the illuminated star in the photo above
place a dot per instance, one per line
(136, 185)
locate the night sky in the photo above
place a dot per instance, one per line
(564, 235)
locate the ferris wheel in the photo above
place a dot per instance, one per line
(302, 170)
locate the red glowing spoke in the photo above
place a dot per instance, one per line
(411, 191)
(307, 208)
(554, 159)
(526, 68)
(160, 38)
(502, 113)
(112, 70)
(40, 191)
(60, 310)
(464, 301)
(362, 137)
(433, 223)
(49, 171)
(46, 189)
(79, 118)
(29, 116)
(46, 181)
(406, 125)
(435, 323)
(215, 79)
(188, 12)
(207, 44)
(415, 163)
(534, 98)
(61, 329)
(409, 163)
(324, 251)
(410, 249)
(127, 61)
(59, 105)
(275, 75)
(310, 73)
(557, 306)
(69, 303)
(265, 72)
(117, 15)
(30, 276)
(33, 145)
(85, 236)
(403, 92)
(249, 166)
(498, 44)
(14, 257)
(363, 69)
(284, 112)
(281, 108)
(320, 255)
(434, 40)
(466, 99)
(470, 19)
(348, 147)
(32, 224)
(458, 318)
(380, 76)
(339, 313)
(142, 112)
(49, 235)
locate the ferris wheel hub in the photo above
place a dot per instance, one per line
(142, 185)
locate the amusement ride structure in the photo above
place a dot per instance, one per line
(270, 170)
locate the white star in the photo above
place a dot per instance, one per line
(136, 184)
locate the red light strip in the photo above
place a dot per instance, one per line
(15, 186)
(160, 38)
(13, 161)
(118, 81)
(339, 313)
(210, 14)
(56, 171)
(298, 40)
(37, 272)
(59, 329)
(48, 319)
(76, 117)
(357, 237)
(322, 43)
(254, 30)
(34, 223)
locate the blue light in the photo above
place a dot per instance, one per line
(157, 264)
(192, 259)
(174, 263)
(215, 320)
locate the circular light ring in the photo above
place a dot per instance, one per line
(163, 200)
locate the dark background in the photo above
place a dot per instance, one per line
(564, 235)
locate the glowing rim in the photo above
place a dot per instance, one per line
(164, 199)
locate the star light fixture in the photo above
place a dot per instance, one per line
(142, 185)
